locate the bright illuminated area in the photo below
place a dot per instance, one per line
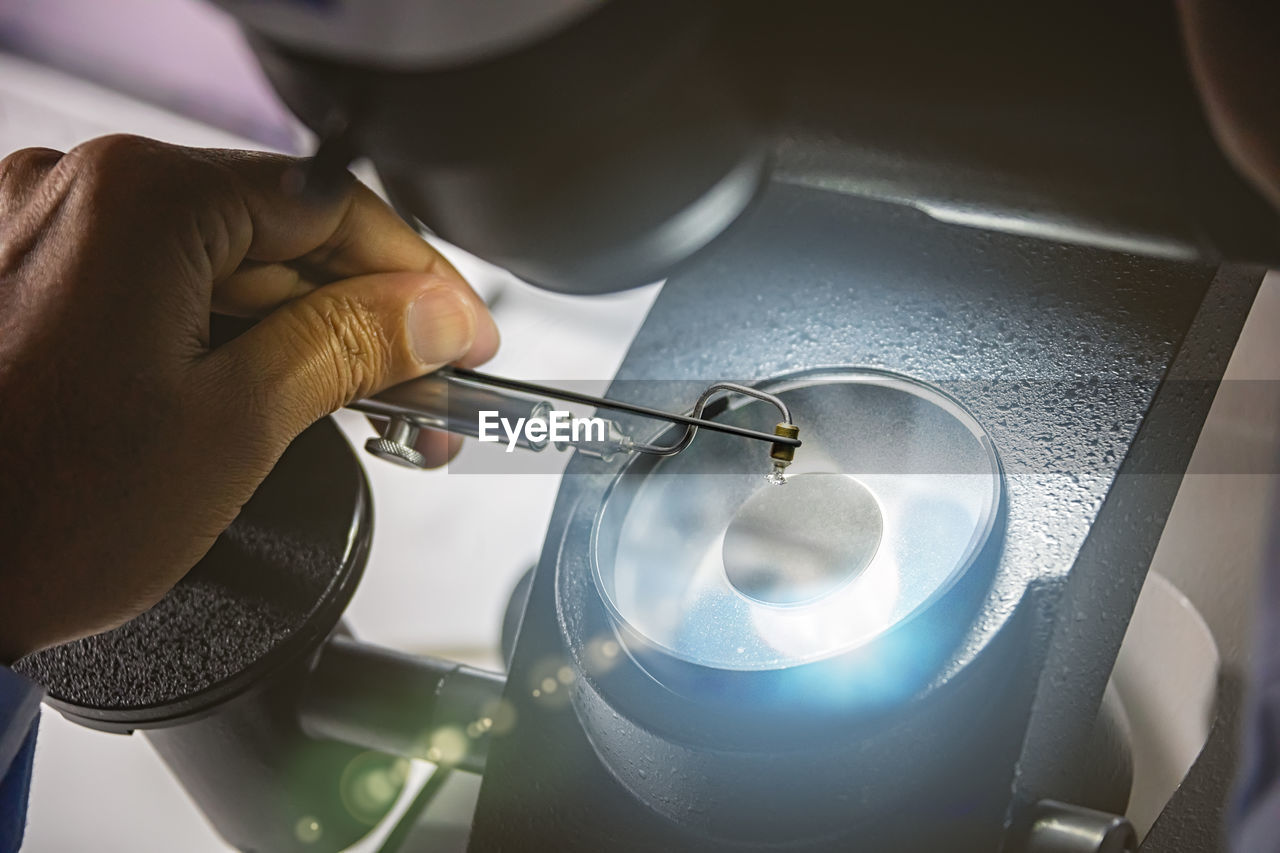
(668, 579)
(795, 545)
(699, 616)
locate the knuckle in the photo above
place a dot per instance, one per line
(183, 198)
(27, 194)
(349, 197)
(25, 164)
(22, 175)
(220, 235)
(350, 344)
(102, 170)
(112, 169)
(105, 154)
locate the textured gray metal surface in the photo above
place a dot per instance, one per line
(1059, 353)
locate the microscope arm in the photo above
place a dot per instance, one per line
(284, 762)
(401, 704)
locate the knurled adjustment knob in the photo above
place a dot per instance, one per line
(396, 444)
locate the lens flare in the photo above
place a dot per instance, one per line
(549, 682)
(370, 785)
(501, 715)
(307, 830)
(446, 745)
(601, 655)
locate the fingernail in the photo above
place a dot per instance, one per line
(441, 326)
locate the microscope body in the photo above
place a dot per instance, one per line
(854, 169)
(831, 164)
(601, 151)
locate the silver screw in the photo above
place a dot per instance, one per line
(396, 444)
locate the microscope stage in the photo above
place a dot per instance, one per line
(890, 499)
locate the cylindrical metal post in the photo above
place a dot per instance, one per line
(1064, 828)
(415, 707)
(269, 788)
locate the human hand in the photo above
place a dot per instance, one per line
(127, 445)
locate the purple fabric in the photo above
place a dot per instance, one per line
(184, 55)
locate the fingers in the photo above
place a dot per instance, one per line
(486, 342)
(343, 234)
(354, 299)
(256, 289)
(339, 343)
(254, 226)
(299, 242)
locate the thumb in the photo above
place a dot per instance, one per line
(337, 344)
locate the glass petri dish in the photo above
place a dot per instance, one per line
(658, 543)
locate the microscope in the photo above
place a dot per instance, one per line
(976, 278)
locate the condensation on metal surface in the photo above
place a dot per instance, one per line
(1057, 350)
(924, 460)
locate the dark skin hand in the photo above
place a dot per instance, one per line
(128, 444)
